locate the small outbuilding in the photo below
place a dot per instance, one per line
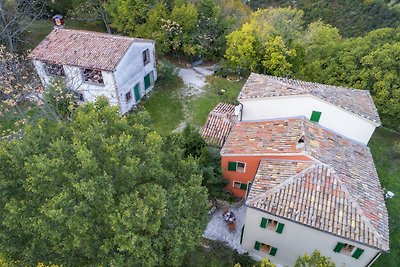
(97, 64)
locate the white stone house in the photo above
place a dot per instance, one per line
(96, 64)
(347, 111)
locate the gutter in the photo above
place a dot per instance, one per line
(374, 259)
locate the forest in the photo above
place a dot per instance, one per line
(65, 175)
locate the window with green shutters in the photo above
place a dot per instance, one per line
(315, 116)
(239, 185)
(265, 248)
(272, 225)
(236, 166)
(348, 249)
(357, 253)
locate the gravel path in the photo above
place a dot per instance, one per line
(194, 80)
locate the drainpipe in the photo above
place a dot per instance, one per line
(241, 111)
(116, 91)
(374, 259)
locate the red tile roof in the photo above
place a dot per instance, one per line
(84, 49)
(355, 101)
(219, 123)
(340, 193)
(264, 137)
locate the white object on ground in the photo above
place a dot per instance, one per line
(389, 195)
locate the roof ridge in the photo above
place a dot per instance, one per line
(287, 181)
(342, 187)
(104, 34)
(346, 98)
(356, 205)
(319, 86)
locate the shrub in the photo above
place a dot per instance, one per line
(166, 71)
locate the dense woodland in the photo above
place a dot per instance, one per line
(65, 173)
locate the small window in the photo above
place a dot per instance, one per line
(55, 70)
(128, 96)
(348, 249)
(240, 185)
(272, 225)
(236, 166)
(93, 76)
(240, 167)
(315, 116)
(265, 248)
(146, 56)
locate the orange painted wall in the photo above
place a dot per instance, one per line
(252, 163)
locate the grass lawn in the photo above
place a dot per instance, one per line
(388, 166)
(43, 27)
(164, 106)
(199, 106)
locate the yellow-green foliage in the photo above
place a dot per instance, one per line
(264, 44)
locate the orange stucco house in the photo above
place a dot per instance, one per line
(250, 142)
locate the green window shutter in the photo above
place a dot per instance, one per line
(232, 166)
(243, 186)
(264, 222)
(137, 93)
(257, 245)
(279, 228)
(273, 251)
(338, 247)
(147, 81)
(315, 116)
(357, 253)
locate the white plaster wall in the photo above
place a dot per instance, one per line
(91, 91)
(73, 78)
(131, 70)
(332, 117)
(40, 69)
(296, 240)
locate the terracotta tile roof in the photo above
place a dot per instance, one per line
(339, 193)
(219, 123)
(356, 101)
(272, 173)
(264, 137)
(83, 49)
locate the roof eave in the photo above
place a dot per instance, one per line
(318, 229)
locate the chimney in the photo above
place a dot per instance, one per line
(58, 21)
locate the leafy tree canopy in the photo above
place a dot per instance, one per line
(314, 260)
(265, 44)
(186, 28)
(273, 42)
(99, 190)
